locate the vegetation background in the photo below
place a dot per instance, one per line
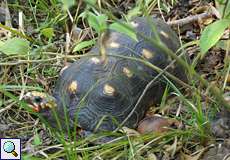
(39, 37)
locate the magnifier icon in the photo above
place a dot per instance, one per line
(9, 147)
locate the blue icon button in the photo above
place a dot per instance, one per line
(9, 147)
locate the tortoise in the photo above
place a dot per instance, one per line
(103, 94)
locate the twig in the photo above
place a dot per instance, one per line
(189, 19)
(7, 107)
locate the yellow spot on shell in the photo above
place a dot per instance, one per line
(114, 45)
(108, 90)
(134, 24)
(95, 60)
(73, 87)
(147, 54)
(164, 34)
(127, 72)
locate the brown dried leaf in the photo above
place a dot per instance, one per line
(157, 124)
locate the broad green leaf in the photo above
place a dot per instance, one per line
(83, 44)
(48, 32)
(212, 33)
(92, 20)
(67, 3)
(102, 21)
(15, 46)
(122, 29)
(97, 22)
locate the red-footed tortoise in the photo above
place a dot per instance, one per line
(102, 94)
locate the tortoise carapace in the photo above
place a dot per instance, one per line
(99, 94)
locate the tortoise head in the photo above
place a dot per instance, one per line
(39, 101)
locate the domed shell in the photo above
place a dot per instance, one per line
(101, 94)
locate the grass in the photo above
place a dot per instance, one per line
(45, 25)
